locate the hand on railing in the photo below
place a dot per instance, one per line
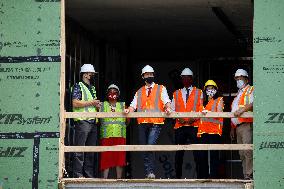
(204, 112)
(96, 103)
(168, 110)
(239, 112)
(128, 110)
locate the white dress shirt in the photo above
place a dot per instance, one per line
(164, 96)
(235, 104)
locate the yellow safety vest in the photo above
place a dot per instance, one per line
(113, 127)
(86, 96)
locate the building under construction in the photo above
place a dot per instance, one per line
(44, 43)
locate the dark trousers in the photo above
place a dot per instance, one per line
(184, 135)
(84, 164)
(148, 135)
(202, 161)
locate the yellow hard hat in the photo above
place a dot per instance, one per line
(210, 82)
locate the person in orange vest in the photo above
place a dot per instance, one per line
(210, 131)
(150, 98)
(187, 99)
(242, 127)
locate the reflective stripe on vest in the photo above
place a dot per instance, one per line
(247, 95)
(177, 105)
(195, 100)
(86, 97)
(245, 100)
(115, 124)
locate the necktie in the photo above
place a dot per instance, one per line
(149, 91)
(187, 94)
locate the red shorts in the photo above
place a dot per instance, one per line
(112, 159)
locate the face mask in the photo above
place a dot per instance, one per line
(149, 80)
(211, 92)
(112, 96)
(186, 82)
(91, 78)
(240, 83)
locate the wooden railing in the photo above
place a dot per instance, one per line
(66, 115)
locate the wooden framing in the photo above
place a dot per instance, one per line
(64, 115)
(62, 91)
(68, 149)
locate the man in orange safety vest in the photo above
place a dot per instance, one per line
(150, 98)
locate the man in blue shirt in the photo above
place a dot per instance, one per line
(84, 99)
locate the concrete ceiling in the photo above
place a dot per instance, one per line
(169, 26)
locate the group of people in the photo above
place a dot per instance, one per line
(153, 97)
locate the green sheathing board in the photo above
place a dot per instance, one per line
(29, 93)
(30, 27)
(269, 90)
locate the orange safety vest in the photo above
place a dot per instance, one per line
(153, 103)
(243, 101)
(192, 105)
(211, 125)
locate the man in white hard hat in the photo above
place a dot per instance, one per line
(243, 102)
(187, 99)
(84, 99)
(112, 132)
(150, 98)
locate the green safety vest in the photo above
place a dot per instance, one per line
(113, 127)
(86, 96)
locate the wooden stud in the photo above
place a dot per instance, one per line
(138, 148)
(62, 91)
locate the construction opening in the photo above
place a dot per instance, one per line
(141, 94)
(119, 38)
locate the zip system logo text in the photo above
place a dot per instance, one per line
(12, 151)
(275, 118)
(19, 119)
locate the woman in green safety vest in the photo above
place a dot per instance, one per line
(112, 132)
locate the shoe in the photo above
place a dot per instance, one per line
(151, 176)
(248, 177)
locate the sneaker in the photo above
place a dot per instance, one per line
(151, 176)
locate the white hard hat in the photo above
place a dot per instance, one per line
(87, 68)
(241, 72)
(147, 68)
(113, 86)
(186, 71)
